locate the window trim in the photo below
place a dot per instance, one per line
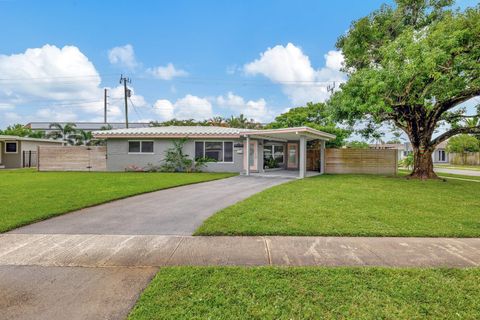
(442, 156)
(10, 152)
(275, 145)
(223, 149)
(141, 141)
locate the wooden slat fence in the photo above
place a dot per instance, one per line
(364, 161)
(469, 158)
(51, 158)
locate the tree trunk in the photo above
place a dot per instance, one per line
(422, 164)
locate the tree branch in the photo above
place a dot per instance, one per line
(453, 132)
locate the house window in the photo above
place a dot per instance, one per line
(219, 151)
(11, 147)
(278, 154)
(140, 146)
(274, 151)
(442, 157)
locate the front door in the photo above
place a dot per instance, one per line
(292, 156)
(253, 158)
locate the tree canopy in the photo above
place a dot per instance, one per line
(314, 115)
(21, 131)
(412, 64)
(233, 122)
(463, 143)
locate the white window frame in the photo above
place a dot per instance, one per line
(10, 152)
(442, 156)
(223, 149)
(141, 141)
(274, 145)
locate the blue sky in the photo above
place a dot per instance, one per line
(185, 58)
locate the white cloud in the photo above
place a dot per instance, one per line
(291, 68)
(60, 83)
(6, 106)
(193, 107)
(188, 107)
(55, 115)
(49, 73)
(12, 116)
(123, 56)
(167, 72)
(164, 108)
(256, 110)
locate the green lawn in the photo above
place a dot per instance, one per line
(310, 293)
(27, 196)
(355, 205)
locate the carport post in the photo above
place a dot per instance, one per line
(322, 156)
(303, 158)
(247, 150)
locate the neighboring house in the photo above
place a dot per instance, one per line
(19, 152)
(85, 126)
(403, 148)
(440, 154)
(234, 150)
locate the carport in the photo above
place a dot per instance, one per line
(294, 141)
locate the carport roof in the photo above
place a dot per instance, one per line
(291, 134)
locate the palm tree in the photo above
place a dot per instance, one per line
(242, 122)
(83, 138)
(66, 132)
(473, 122)
(217, 121)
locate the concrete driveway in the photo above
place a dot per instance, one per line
(176, 211)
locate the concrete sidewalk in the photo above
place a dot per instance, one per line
(157, 251)
(463, 172)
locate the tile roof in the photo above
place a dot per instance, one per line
(172, 131)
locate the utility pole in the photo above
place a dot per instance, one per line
(126, 91)
(105, 103)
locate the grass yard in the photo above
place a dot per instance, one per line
(27, 196)
(310, 293)
(355, 205)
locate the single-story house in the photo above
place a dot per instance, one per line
(20, 152)
(403, 149)
(440, 154)
(232, 149)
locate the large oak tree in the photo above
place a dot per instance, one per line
(413, 64)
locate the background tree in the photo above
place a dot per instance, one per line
(21, 131)
(473, 122)
(463, 144)
(67, 132)
(233, 122)
(176, 122)
(83, 138)
(358, 145)
(242, 122)
(412, 65)
(314, 115)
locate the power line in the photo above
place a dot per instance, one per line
(59, 77)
